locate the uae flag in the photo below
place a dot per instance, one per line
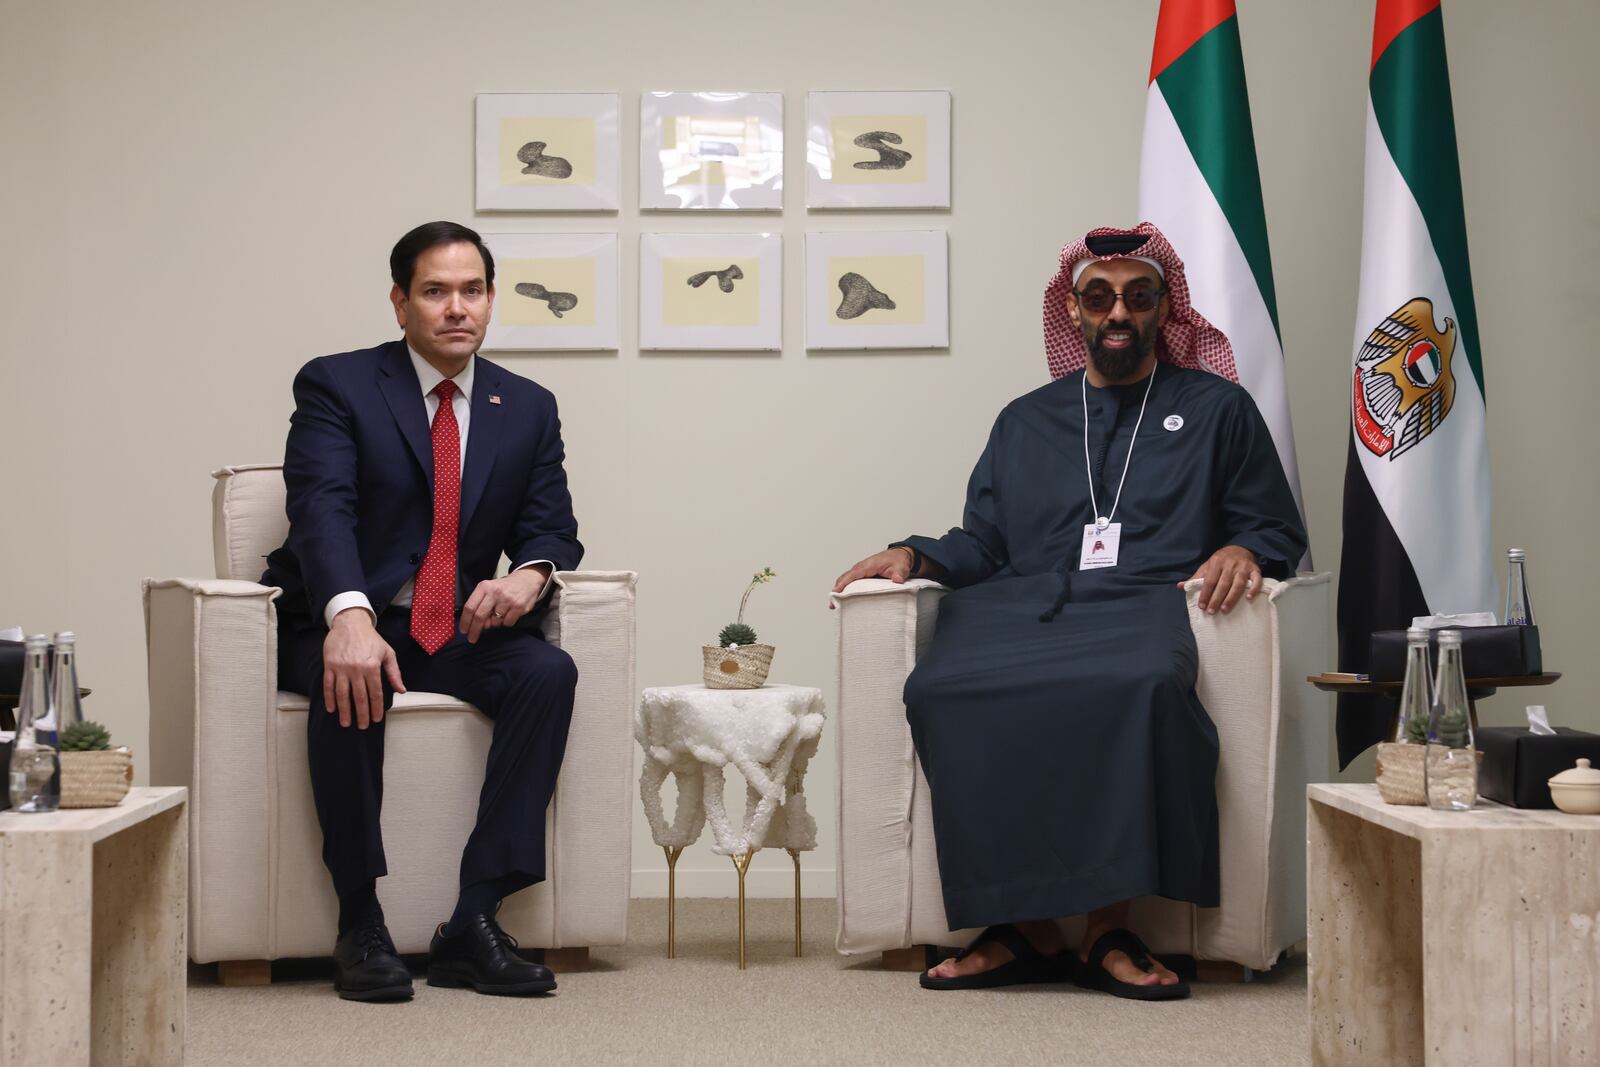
(1416, 490)
(1199, 185)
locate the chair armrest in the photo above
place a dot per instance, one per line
(882, 629)
(591, 618)
(1252, 664)
(212, 647)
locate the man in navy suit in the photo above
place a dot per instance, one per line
(411, 468)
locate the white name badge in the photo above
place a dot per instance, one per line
(1100, 546)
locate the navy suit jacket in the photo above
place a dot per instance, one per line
(358, 468)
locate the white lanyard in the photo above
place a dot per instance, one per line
(1102, 521)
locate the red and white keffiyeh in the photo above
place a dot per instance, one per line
(1187, 339)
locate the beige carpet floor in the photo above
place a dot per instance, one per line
(635, 1006)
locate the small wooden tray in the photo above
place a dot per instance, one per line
(1330, 683)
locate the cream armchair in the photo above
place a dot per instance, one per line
(218, 724)
(1275, 734)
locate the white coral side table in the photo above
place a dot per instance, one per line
(769, 735)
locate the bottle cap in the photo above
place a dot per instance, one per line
(1516, 554)
(37, 642)
(1450, 637)
(1416, 633)
(66, 637)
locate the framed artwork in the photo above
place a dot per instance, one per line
(877, 290)
(553, 291)
(547, 151)
(709, 291)
(716, 151)
(878, 150)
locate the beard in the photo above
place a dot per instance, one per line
(1116, 364)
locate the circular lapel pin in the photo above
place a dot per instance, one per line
(1173, 422)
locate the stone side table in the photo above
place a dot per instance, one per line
(1451, 937)
(769, 735)
(93, 932)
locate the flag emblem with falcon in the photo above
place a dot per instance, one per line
(1403, 385)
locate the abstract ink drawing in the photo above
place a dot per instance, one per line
(558, 302)
(877, 150)
(860, 296)
(725, 278)
(545, 166)
(888, 158)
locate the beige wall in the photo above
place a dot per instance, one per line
(196, 201)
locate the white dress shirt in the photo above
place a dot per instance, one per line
(461, 404)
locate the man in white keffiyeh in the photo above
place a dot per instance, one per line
(1071, 766)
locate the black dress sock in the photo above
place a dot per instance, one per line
(358, 906)
(479, 898)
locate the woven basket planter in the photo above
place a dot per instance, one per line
(95, 779)
(744, 667)
(1400, 775)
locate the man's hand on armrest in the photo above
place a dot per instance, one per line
(354, 661)
(1231, 571)
(896, 564)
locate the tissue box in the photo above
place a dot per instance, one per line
(1486, 652)
(1518, 764)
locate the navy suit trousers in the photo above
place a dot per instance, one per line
(516, 678)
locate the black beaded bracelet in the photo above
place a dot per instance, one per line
(916, 558)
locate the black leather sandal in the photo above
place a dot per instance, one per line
(1028, 966)
(1093, 975)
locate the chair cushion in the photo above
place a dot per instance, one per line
(416, 701)
(247, 519)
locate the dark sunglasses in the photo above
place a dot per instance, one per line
(1100, 298)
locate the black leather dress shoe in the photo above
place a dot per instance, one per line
(368, 968)
(483, 957)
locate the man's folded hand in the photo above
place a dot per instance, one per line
(502, 601)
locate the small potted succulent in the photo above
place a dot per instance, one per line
(1400, 775)
(738, 660)
(93, 774)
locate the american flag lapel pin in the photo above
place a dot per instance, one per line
(494, 398)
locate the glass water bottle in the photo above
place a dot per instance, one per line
(65, 704)
(1519, 606)
(1416, 694)
(1450, 764)
(35, 763)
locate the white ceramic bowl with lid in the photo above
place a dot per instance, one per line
(1576, 790)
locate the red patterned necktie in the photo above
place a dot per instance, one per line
(433, 603)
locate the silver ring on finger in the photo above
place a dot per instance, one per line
(499, 614)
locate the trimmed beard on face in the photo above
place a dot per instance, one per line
(1115, 364)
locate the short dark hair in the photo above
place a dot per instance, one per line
(403, 260)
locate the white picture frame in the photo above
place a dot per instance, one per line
(575, 169)
(689, 300)
(711, 151)
(867, 289)
(907, 167)
(576, 307)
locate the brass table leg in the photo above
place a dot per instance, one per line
(794, 855)
(672, 899)
(741, 863)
